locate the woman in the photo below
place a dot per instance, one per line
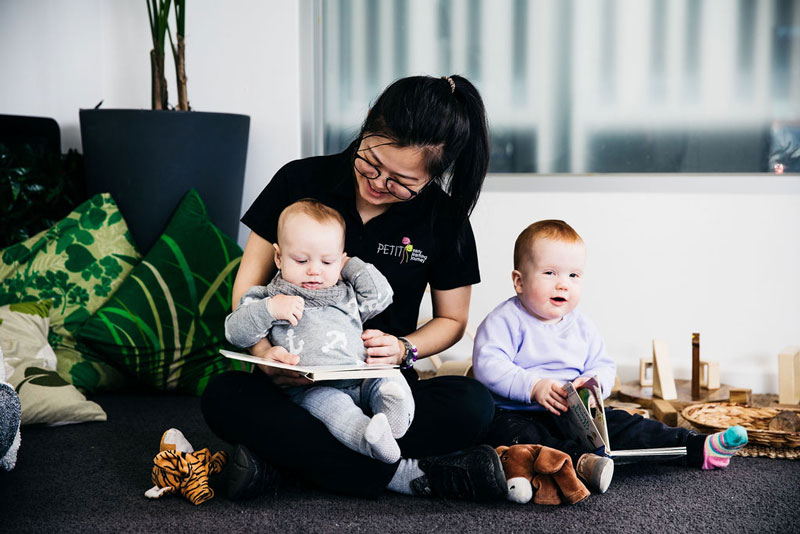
(405, 188)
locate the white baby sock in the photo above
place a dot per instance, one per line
(379, 443)
(398, 405)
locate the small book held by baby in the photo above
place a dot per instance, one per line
(317, 373)
(585, 421)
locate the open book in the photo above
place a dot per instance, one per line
(585, 421)
(316, 373)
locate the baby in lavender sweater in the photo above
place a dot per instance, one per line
(534, 342)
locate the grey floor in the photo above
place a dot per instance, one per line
(91, 478)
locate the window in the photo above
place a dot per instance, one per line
(586, 86)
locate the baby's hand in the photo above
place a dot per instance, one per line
(581, 380)
(286, 307)
(550, 394)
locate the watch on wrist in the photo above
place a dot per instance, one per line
(410, 356)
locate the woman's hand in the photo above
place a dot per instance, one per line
(383, 348)
(550, 395)
(281, 377)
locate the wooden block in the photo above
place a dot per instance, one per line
(664, 412)
(645, 364)
(645, 372)
(709, 375)
(695, 366)
(663, 381)
(789, 376)
(741, 395)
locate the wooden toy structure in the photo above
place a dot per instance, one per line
(662, 381)
(664, 395)
(705, 374)
(789, 376)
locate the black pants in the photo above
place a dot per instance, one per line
(452, 413)
(625, 431)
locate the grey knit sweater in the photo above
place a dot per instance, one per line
(329, 332)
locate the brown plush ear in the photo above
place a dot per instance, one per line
(550, 460)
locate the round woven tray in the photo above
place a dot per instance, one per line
(717, 416)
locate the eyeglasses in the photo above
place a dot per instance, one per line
(370, 172)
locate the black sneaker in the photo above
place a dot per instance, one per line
(475, 474)
(247, 476)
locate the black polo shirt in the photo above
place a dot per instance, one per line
(413, 243)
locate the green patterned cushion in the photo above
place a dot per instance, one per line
(165, 324)
(30, 361)
(76, 264)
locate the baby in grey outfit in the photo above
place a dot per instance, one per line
(315, 308)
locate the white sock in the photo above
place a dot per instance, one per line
(398, 405)
(407, 470)
(378, 440)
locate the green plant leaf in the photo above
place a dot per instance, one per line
(84, 237)
(79, 258)
(111, 267)
(63, 242)
(77, 295)
(94, 218)
(14, 253)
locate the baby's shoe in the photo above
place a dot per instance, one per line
(596, 471)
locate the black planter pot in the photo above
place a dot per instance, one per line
(148, 160)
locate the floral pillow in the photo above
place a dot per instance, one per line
(76, 264)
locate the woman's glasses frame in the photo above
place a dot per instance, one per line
(367, 169)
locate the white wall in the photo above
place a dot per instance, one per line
(668, 255)
(242, 56)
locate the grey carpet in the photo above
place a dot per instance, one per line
(91, 478)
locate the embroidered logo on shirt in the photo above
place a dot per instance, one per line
(405, 251)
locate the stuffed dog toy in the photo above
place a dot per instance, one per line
(540, 473)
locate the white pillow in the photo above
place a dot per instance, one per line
(30, 368)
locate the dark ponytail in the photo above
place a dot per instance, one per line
(445, 117)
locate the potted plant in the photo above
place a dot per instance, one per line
(148, 159)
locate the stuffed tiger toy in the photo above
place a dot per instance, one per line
(179, 468)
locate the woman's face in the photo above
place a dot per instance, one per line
(388, 163)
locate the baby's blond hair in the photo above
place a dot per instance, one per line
(547, 229)
(311, 208)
